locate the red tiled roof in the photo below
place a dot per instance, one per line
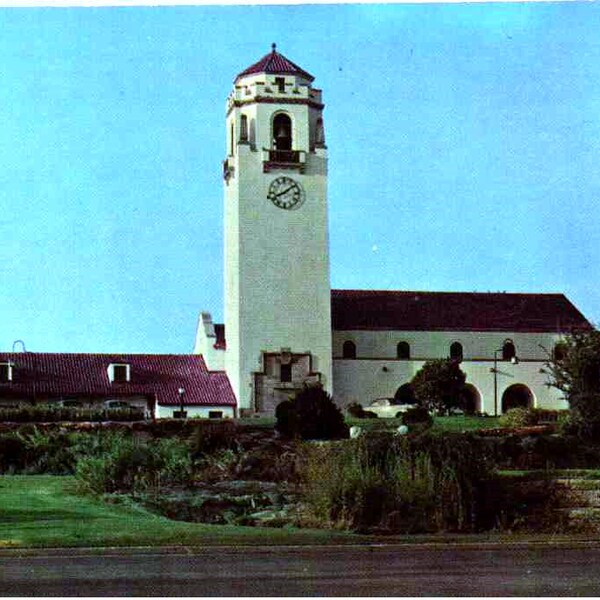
(454, 311)
(275, 63)
(161, 375)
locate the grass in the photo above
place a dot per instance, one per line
(454, 423)
(47, 511)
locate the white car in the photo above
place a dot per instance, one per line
(386, 408)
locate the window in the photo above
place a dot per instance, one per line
(119, 373)
(280, 83)
(282, 132)
(286, 372)
(559, 351)
(244, 128)
(320, 137)
(403, 350)
(508, 350)
(456, 351)
(5, 372)
(215, 414)
(349, 350)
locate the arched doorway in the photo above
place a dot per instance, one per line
(471, 399)
(517, 395)
(282, 132)
(405, 395)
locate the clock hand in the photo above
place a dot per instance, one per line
(284, 191)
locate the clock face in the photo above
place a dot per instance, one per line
(286, 193)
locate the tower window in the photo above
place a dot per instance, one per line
(349, 349)
(286, 372)
(456, 351)
(282, 132)
(243, 128)
(403, 350)
(280, 83)
(508, 350)
(320, 136)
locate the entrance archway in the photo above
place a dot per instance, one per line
(517, 395)
(471, 399)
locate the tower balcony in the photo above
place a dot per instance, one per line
(283, 159)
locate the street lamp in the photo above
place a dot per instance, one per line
(515, 361)
(181, 392)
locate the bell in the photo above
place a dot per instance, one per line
(281, 132)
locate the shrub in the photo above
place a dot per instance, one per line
(13, 453)
(417, 415)
(584, 420)
(209, 436)
(355, 410)
(131, 465)
(518, 417)
(429, 483)
(310, 415)
(358, 412)
(49, 413)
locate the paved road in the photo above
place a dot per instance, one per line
(316, 571)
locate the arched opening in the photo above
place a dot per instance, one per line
(456, 351)
(231, 140)
(403, 350)
(349, 349)
(244, 129)
(320, 136)
(282, 132)
(471, 399)
(559, 351)
(252, 135)
(508, 350)
(405, 395)
(517, 395)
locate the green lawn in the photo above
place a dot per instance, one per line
(47, 511)
(454, 423)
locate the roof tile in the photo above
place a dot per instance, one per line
(161, 375)
(275, 63)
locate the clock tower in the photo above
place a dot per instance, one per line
(277, 291)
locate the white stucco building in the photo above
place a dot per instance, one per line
(284, 325)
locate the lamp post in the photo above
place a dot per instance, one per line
(495, 372)
(515, 361)
(181, 392)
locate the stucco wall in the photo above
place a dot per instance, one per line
(166, 412)
(277, 292)
(377, 373)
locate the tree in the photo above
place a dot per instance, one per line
(574, 364)
(574, 368)
(311, 415)
(439, 385)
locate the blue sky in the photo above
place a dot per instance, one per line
(464, 145)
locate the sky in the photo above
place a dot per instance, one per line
(464, 144)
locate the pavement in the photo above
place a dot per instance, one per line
(538, 568)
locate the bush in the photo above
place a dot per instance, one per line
(49, 413)
(209, 436)
(417, 415)
(401, 485)
(584, 420)
(310, 415)
(518, 417)
(131, 465)
(358, 412)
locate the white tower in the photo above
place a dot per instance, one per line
(277, 292)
